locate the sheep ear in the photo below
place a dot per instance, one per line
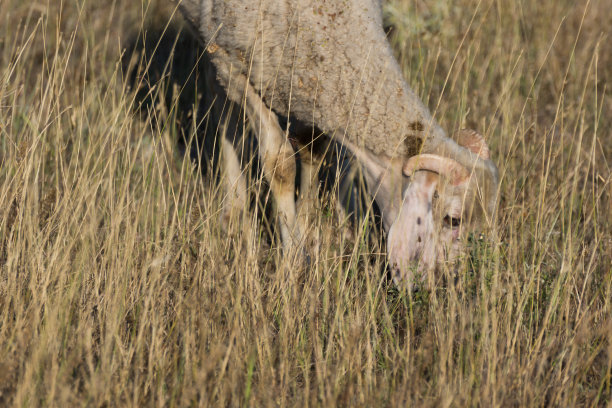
(473, 141)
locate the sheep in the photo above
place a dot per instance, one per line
(328, 63)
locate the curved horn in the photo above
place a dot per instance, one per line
(474, 142)
(438, 164)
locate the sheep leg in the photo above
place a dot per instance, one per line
(309, 195)
(234, 183)
(275, 151)
(279, 166)
(309, 185)
(229, 126)
(312, 155)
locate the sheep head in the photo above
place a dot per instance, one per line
(441, 203)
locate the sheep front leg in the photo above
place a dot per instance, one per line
(279, 167)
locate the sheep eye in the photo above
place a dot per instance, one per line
(451, 222)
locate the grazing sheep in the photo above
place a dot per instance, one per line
(328, 63)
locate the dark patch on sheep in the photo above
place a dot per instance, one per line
(417, 126)
(413, 145)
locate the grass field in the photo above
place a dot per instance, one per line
(119, 286)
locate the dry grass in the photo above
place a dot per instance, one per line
(118, 286)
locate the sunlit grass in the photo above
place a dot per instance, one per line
(119, 286)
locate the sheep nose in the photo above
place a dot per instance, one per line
(403, 281)
(410, 278)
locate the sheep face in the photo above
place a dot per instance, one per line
(441, 203)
